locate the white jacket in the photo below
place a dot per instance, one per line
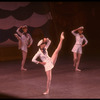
(25, 40)
(44, 57)
(79, 40)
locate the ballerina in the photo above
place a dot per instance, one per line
(25, 41)
(77, 49)
(47, 62)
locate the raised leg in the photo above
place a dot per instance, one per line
(19, 40)
(56, 52)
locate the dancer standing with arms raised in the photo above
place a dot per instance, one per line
(47, 62)
(77, 49)
(25, 41)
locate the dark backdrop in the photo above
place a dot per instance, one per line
(70, 15)
(66, 16)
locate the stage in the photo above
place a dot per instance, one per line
(66, 83)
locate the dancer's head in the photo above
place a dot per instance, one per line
(42, 43)
(24, 28)
(80, 30)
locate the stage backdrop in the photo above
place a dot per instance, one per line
(36, 15)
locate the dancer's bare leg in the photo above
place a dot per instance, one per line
(55, 54)
(19, 40)
(74, 58)
(54, 58)
(78, 61)
(24, 54)
(49, 76)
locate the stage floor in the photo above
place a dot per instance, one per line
(66, 83)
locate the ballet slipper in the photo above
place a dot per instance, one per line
(47, 92)
(62, 35)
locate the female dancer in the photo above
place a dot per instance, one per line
(77, 49)
(25, 41)
(47, 61)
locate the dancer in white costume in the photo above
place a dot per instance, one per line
(47, 62)
(25, 41)
(77, 49)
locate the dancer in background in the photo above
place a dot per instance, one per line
(47, 62)
(24, 42)
(77, 49)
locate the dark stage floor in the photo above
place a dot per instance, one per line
(66, 83)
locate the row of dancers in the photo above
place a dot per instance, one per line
(25, 41)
